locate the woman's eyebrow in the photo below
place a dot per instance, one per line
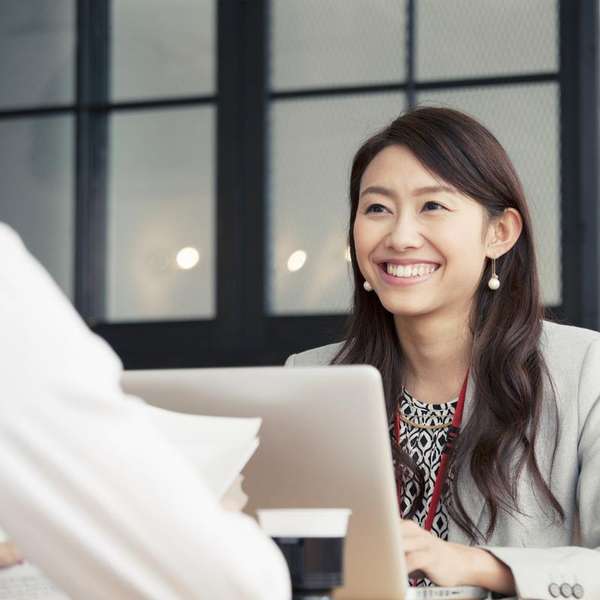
(433, 189)
(378, 189)
(390, 193)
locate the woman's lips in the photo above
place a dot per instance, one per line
(403, 281)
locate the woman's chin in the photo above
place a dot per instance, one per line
(405, 309)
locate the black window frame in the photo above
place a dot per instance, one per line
(242, 332)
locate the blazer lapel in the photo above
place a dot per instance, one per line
(471, 498)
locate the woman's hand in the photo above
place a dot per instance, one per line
(9, 555)
(449, 564)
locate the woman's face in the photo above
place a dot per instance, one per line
(419, 243)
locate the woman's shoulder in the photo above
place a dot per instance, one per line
(315, 357)
(566, 341)
(572, 355)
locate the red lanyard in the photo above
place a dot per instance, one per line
(452, 435)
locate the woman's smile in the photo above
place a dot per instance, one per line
(404, 275)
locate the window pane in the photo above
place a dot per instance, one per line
(37, 198)
(525, 120)
(312, 146)
(162, 48)
(470, 38)
(37, 52)
(338, 42)
(161, 215)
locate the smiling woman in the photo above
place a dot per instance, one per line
(447, 306)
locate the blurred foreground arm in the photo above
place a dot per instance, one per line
(91, 493)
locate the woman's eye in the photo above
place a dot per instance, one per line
(376, 208)
(432, 206)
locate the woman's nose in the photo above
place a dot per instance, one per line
(404, 235)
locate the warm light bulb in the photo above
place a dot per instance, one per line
(187, 258)
(296, 260)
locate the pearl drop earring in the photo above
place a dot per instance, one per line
(494, 282)
(368, 287)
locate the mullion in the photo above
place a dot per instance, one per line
(229, 183)
(569, 159)
(32, 113)
(150, 104)
(417, 86)
(254, 152)
(579, 159)
(411, 26)
(291, 94)
(93, 18)
(589, 156)
(492, 81)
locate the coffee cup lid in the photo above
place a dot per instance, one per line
(304, 522)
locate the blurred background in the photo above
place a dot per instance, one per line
(181, 166)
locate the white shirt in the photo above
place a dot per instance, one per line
(89, 491)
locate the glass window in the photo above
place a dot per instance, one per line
(37, 53)
(312, 145)
(483, 38)
(525, 120)
(162, 48)
(37, 198)
(338, 42)
(161, 215)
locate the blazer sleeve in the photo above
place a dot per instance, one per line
(540, 572)
(90, 491)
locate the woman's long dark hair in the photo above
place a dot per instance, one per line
(509, 371)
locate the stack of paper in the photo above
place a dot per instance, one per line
(219, 447)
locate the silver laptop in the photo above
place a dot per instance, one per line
(323, 443)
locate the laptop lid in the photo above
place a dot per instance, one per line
(324, 443)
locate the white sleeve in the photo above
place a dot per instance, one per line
(90, 492)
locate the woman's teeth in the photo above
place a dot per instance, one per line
(417, 270)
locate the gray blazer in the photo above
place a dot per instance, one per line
(543, 555)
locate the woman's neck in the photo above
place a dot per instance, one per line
(437, 353)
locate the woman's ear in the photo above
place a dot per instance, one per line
(503, 232)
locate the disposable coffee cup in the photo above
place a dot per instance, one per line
(312, 542)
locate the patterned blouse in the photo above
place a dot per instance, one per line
(425, 448)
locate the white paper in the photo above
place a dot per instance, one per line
(218, 447)
(26, 582)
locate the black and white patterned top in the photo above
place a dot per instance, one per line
(425, 447)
